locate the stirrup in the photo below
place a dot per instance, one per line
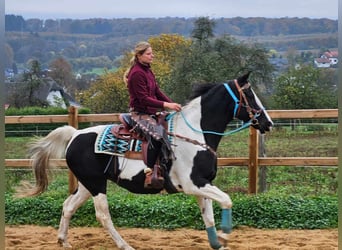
(154, 179)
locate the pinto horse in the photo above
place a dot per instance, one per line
(195, 136)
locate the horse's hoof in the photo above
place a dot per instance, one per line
(224, 248)
(63, 243)
(127, 248)
(223, 239)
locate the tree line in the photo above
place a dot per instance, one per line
(251, 26)
(98, 43)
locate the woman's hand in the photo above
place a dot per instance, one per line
(173, 106)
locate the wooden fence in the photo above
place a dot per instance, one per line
(253, 161)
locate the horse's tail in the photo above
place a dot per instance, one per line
(41, 150)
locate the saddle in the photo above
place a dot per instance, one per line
(142, 127)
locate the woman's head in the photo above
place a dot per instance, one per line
(141, 47)
(143, 52)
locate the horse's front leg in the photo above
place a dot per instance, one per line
(209, 221)
(206, 207)
(103, 216)
(70, 205)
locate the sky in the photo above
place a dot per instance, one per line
(83, 9)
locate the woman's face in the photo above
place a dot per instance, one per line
(147, 57)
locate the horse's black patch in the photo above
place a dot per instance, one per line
(204, 168)
(136, 185)
(87, 166)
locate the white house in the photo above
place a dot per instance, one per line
(327, 59)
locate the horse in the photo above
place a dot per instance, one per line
(195, 135)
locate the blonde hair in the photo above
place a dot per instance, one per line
(139, 49)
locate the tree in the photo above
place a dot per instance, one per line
(61, 72)
(167, 48)
(204, 30)
(305, 87)
(108, 94)
(25, 92)
(9, 56)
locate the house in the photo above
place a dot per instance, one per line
(49, 91)
(328, 59)
(332, 56)
(322, 62)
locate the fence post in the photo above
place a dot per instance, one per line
(72, 121)
(253, 161)
(262, 169)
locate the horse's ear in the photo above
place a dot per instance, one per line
(244, 78)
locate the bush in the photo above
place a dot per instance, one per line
(180, 211)
(291, 212)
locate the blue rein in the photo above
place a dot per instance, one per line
(236, 100)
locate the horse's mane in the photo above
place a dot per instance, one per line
(200, 89)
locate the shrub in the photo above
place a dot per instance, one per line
(180, 211)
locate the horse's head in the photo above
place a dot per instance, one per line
(250, 107)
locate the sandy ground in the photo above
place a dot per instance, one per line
(44, 238)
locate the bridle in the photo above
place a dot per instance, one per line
(243, 101)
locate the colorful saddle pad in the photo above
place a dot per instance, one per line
(107, 143)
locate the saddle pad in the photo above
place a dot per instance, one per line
(107, 143)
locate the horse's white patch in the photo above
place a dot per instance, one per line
(262, 106)
(130, 168)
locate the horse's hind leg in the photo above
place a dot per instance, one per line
(70, 205)
(103, 216)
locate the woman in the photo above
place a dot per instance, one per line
(146, 98)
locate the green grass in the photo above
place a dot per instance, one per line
(16, 147)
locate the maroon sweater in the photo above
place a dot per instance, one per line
(144, 92)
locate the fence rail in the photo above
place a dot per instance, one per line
(253, 161)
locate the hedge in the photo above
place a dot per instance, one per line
(180, 211)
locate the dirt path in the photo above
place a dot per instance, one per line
(44, 238)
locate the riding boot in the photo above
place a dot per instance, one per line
(154, 178)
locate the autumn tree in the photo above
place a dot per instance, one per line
(167, 49)
(107, 95)
(61, 72)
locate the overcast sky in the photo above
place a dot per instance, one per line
(81, 9)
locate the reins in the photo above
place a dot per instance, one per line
(238, 105)
(195, 142)
(245, 125)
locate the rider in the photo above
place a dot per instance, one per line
(146, 97)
